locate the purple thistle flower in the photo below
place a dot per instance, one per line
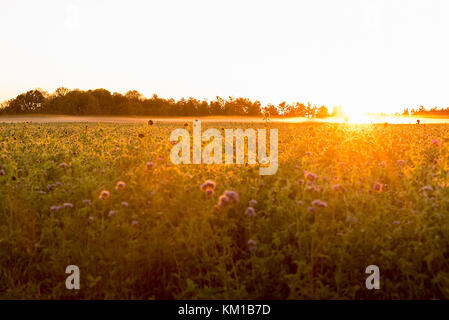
(223, 201)
(252, 203)
(55, 208)
(319, 203)
(232, 195)
(208, 184)
(250, 212)
(252, 245)
(104, 194)
(120, 185)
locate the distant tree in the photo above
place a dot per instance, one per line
(310, 111)
(3, 107)
(134, 95)
(61, 92)
(322, 112)
(254, 109)
(80, 103)
(272, 110)
(217, 106)
(29, 102)
(105, 101)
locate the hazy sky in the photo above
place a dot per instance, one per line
(363, 55)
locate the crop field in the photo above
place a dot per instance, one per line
(106, 198)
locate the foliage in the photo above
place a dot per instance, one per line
(344, 197)
(102, 102)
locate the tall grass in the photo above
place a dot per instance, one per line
(162, 237)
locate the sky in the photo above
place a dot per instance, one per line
(363, 55)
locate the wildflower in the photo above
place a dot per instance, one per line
(252, 245)
(427, 188)
(2, 172)
(104, 195)
(88, 202)
(436, 142)
(250, 212)
(338, 187)
(232, 195)
(383, 164)
(55, 208)
(252, 203)
(63, 165)
(208, 184)
(51, 187)
(91, 218)
(111, 213)
(396, 222)
(209, 192)
(401, 162)
(378, 187)
(310, 209)
(301, 181)
(124, 203)
(58, 184)
(310, 176)
(67, 205)
(150, 122)
(134, 223)
(223, 201)
(319, 203)
(150, 165)
(120, 185)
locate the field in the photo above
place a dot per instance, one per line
(105, 197)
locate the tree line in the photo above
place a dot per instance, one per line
(102, 102)
(421, 111)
